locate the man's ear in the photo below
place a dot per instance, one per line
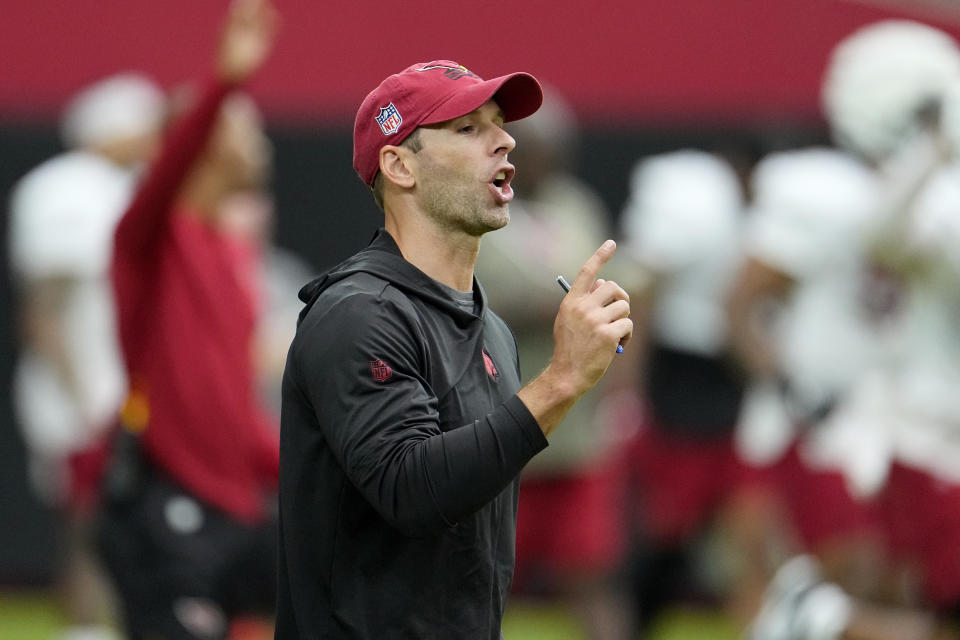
(395, 166)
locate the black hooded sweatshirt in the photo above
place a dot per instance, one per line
(401, 443)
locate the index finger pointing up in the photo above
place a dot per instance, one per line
(591, 268)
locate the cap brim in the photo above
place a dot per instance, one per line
(518, 95)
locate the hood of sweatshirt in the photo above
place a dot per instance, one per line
(382, 258)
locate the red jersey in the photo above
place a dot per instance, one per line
(186, 321)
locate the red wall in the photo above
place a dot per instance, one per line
(639, 61)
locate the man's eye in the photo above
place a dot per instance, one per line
(468, 128)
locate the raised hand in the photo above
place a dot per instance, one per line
(593, 319)
(248, 35)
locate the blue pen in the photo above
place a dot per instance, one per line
(566, 289)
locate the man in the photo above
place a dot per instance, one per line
(69, 381)
(188, 535)
(403, 423)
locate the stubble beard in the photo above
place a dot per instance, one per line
(454, 203)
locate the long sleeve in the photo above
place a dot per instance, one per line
(386, 434)
(143, 226)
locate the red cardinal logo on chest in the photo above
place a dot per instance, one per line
(491, 368)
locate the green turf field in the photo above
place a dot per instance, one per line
(525, 622)
(26, 615)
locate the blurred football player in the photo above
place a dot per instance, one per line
(69, 381)
(825, 223)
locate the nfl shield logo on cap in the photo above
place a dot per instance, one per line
(389, 119)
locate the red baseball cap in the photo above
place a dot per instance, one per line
(428, 93)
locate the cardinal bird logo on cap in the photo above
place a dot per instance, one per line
(452, 72)
(389, 119)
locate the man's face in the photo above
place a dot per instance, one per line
(239, 146)
(463, 177)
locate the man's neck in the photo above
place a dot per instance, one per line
(445, 256)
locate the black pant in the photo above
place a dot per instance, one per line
(183, 569)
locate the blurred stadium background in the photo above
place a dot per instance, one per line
(643, 76)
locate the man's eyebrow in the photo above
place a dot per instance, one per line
(497, 116)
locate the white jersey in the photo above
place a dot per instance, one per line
(908, 408)
(62, 217)
(931, 308)
(810, 216)
(683, 221)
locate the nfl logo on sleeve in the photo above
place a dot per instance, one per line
(389, 119)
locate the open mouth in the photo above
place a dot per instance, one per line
(501, 185)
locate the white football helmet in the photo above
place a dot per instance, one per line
(880, 79)
(118, 106)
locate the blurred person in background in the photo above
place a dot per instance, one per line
(278, 274)
(187, 529)
(683, 227)
(571, 530)
(69, 381)
(859, 333)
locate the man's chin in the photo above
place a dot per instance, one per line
(490, 220)
(501, 217)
